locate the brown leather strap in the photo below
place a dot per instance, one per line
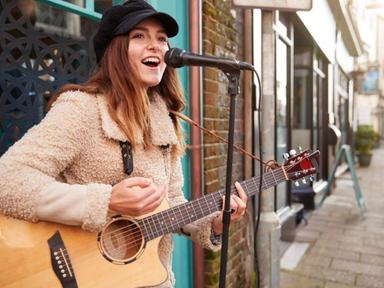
(271, 164)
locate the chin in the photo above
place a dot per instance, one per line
(150, 84)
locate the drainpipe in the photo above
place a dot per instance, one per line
(248, 132)
(247, 92)
(196, 152)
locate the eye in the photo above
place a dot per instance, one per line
(163, 39)
(137, 35)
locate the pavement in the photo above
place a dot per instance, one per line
(341, 248)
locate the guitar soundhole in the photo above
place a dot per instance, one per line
(121, 240)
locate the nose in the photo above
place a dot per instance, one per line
(153, 44)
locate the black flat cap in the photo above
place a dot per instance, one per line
(120, 19)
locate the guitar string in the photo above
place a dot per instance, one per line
(154, 235)
(134, 231)
(267, 177)
(253, 179)
(186, 203)
(138, 243)
(126, 247)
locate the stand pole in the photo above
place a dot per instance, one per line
(233, 90)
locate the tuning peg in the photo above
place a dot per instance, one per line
(286, 156)
(297, 184)
(292, 152)
(311, 178)
(304, 181)
(299, 149)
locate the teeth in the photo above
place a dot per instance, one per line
(151, 59)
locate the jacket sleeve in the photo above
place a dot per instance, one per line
(199, 231)
(29, 170)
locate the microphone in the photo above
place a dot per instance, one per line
(176, 58)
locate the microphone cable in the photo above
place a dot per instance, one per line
(261, 179)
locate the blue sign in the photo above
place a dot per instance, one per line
(371, 81)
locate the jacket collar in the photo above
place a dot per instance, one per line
(161, 125)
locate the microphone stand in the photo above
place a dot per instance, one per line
(233, 76)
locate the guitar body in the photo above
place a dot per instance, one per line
(25, 258)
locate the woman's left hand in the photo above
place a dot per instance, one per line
(238, 206)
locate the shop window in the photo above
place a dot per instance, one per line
(282, 108)
(308, 108)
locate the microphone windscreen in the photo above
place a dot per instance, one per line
(173, 57)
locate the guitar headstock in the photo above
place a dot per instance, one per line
(301, 165)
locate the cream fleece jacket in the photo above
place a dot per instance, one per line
(64, 168)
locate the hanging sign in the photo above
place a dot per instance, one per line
(283, 5)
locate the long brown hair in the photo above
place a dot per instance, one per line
(128, 102)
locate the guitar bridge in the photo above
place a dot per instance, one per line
(60, 261)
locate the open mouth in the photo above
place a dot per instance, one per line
(151, 61)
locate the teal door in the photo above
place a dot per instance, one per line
(182, 255)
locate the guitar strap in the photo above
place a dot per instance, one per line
(126, 153)
(126, 147)
(271, 164)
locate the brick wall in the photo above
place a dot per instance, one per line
(223, 36)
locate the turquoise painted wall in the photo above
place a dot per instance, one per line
(182, 256)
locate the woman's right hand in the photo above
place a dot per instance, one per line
(136, 196)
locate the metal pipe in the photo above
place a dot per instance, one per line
(196, 153)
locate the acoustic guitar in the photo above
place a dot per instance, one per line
(125, 252)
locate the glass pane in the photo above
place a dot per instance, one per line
(301, 90)
(302, 99)
(303, 58)
(102, 5)
(281, 116)
(43, 48)
(315, 123)
(343, 105)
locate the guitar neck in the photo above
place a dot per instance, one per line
(176, 217)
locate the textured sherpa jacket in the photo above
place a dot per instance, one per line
(63, 169)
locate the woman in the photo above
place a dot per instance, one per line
(111, 146)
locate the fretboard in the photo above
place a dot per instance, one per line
(172, 219)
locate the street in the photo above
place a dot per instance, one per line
(344, 249)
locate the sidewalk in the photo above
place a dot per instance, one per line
(344, 250)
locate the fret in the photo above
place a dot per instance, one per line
(214, 202)
(190, 211)
(149, 231)
(153, 227)
(274, 177)
(165, 228)
(194, 214)
(146, 234)
(209, 205)
(245, 187)
(248, 184)
(155, 220)
(173, 218)
(163, 221)
(183, 214)
(265, 184)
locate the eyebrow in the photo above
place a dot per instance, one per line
(146, 29)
